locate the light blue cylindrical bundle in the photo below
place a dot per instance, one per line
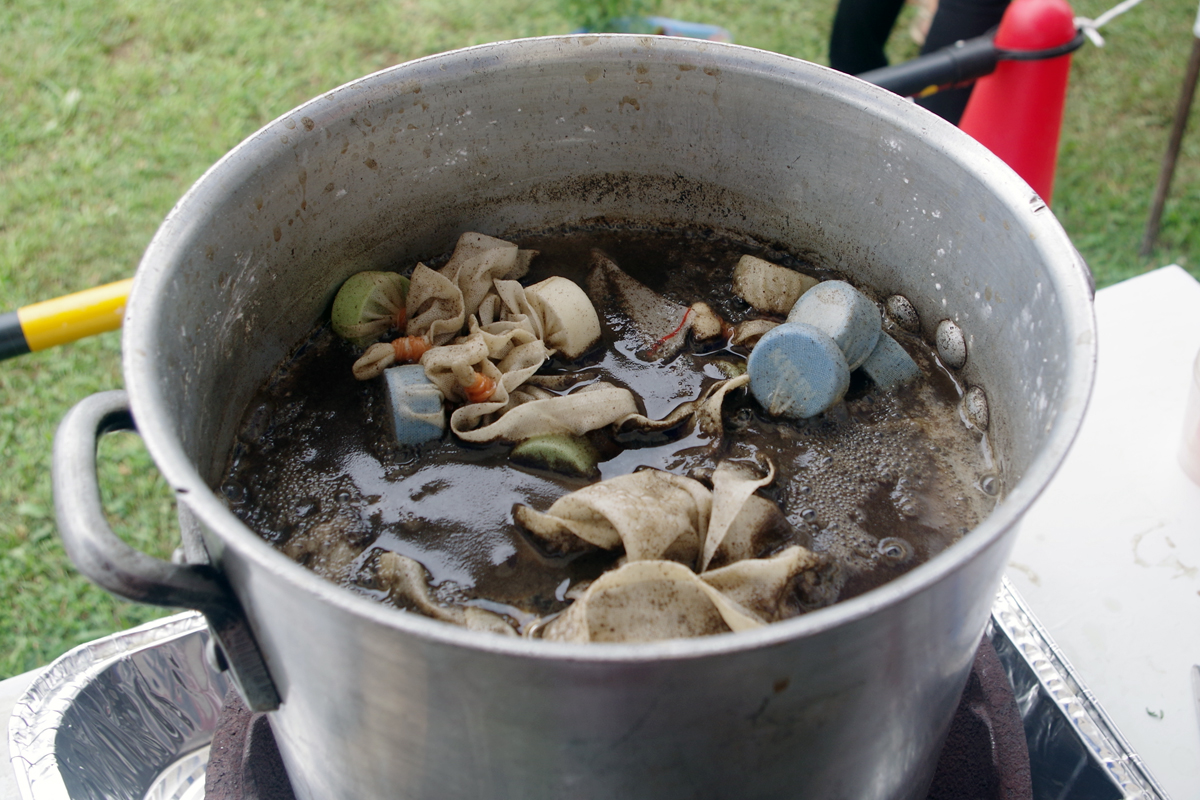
(418, 414)
(797, 370)
(890, 365)
(845, 314)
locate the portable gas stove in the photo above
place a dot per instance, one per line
(142, 714)
(985, 756)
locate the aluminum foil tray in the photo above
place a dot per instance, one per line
(1075, 751)
(131, 716)
(126, 717)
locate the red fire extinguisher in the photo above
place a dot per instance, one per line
(1016, 112)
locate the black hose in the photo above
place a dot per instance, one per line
(959, 64)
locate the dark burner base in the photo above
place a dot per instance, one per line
(985, 756)
(244, 762)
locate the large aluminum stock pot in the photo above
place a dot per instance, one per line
(848, 702)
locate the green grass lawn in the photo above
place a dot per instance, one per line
(114, 107)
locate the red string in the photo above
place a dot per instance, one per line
(664, 339)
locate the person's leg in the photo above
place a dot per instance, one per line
(860, 30)
(955, 20)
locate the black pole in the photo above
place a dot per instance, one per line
(1172, 155)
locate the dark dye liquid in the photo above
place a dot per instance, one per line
(880, 483)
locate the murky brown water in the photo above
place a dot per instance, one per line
(880, 483)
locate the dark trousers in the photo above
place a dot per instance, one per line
(860, 30)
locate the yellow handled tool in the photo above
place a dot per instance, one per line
(63, 319)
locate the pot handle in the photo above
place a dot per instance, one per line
(106, 560)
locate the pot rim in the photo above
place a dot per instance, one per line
(153, 272)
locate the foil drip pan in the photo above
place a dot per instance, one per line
(126, 717)
(131, 716)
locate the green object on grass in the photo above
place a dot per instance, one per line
(368, 305)
(558, 452)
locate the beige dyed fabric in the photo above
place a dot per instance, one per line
(651, 514)
(510, 332)
(769, 287)
(660, 324)
(435, 306)
(586, 410)
(440, 302)
(762, 585)
(672, 528)
(750, 331)
(733, 486)
(407, 585)
(569, 322)
(625, 605)
(656, 515)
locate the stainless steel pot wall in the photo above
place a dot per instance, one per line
(848, 702)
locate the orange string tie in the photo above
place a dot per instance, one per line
(409, 349)
(481, 389)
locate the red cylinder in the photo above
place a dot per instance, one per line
(1016, 112)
